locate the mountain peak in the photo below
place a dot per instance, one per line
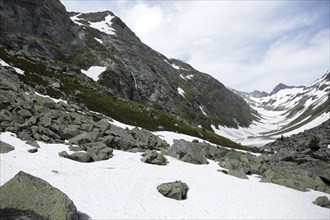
(278, 88)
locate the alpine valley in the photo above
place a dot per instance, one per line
(97, 125)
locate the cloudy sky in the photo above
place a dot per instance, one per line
(246, 45)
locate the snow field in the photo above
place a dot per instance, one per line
(123, 187)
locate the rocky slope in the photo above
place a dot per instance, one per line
(40, 38)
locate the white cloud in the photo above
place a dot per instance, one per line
(246, 45)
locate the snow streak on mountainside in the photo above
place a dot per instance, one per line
(288, 111)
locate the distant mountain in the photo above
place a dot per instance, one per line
(291, 109)
(280, 87)
(95, 60)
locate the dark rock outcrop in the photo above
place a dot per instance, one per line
(39, 198)
(174, 190)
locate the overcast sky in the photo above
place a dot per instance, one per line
(246, 45)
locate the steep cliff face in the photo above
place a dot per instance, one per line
(43, 32)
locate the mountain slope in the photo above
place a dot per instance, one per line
(133, 70)
(287, 112)
(95, 60)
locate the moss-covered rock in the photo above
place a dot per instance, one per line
(27, 192)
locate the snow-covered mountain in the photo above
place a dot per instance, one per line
(288, 111)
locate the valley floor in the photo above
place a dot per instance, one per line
(123, 187)
(264, 131)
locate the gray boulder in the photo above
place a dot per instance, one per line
(99, 151)
(322, 201)
(83, 157)
(153, 157)
(188, 152)
(27, 192)
(283, 154)
(289, 174)
(86, 137)
(5, 148)
(174, 190)
(322, 154)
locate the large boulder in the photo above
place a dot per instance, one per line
(174, 190)
(322, 201)
(5, 148)
(27, 192)
(190, 152)
(99, 151)
(153, 157)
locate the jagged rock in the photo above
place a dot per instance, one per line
(322, 201)
(188, 152)
(103, 125)
(99, 151)
(237, 173)
(24, 113)
(216, 153)
(86, 137)
(83, 157)
(322, 154)
(290, 175)
(45, 121)
(174, 190)
(153, 157)
(27, 192)
(147, 140)
(5, 148)
(33, 150)
(284, 154)
(69, 131)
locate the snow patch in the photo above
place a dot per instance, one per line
(75, 19)
(104, 26)
(181, 92)
(201, 108)
(94, 72)
(132, 185)
(98, 40)
(54, 99)
(18, 70)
